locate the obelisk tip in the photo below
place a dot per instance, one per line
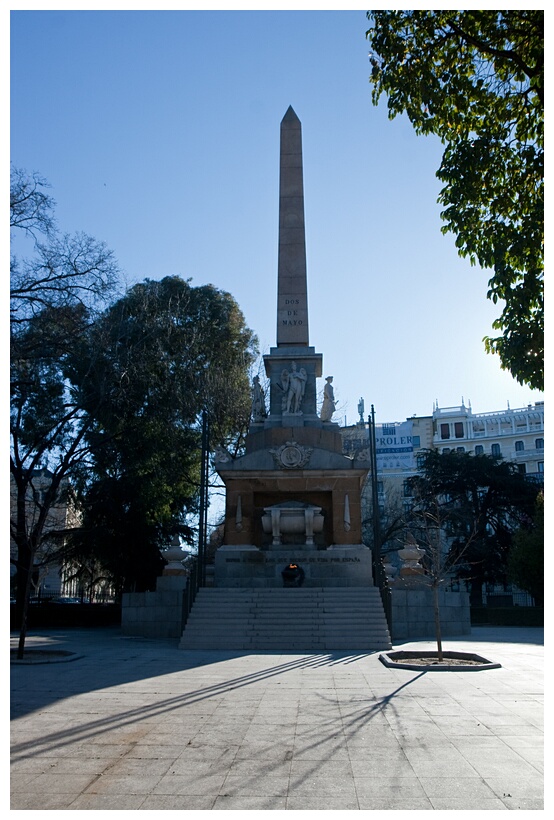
(290, 116)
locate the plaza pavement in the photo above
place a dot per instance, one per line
(139, 724)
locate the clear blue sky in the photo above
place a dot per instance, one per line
(159, 133)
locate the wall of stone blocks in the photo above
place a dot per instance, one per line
(413, 614)
(156, 614)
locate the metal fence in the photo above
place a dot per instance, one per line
(194, 582)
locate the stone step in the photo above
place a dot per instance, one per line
(220, 610)
(313, 646)
(284, 619)
(274, 593)
(360, 632)
(287, 617)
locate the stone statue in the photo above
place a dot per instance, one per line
(361, 410)
(259, 413)
(293, 383)
(328, 406)
(221, 455)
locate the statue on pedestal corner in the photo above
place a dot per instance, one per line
(259, 412)
(328, 406)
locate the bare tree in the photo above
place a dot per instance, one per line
(432, 518)
(55, 294)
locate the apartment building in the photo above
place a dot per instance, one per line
(514, 435)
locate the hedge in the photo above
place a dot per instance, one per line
(507, 615)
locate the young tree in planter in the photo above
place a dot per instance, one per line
(433, 520)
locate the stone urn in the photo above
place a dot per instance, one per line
(174, 556)
(292, 518)
(411, 568)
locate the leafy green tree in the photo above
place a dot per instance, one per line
(476, 80)
(483, 500)
(160, 356)
(55, 292)
(526, 557)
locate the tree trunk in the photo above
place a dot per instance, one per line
(23, 622)
(437, 621)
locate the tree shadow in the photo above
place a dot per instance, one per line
(59, 683)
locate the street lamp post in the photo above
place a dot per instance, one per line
(378, 568)
(203, 515)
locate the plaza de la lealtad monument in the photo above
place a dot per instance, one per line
(292, 551)
(293, 497)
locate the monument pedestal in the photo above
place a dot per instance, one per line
(338, 566)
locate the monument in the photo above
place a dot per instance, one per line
(293, 500)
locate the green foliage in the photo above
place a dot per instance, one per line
(526, 558)
(483, 501)
(159, 356)
(110, 398)
(54, 294)
(475, 79)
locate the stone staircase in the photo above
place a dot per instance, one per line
(285, 619)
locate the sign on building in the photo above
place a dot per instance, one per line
(394, 446)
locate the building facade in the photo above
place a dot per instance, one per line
(513, 435)
(62, 515)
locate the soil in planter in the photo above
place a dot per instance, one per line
(436, 662)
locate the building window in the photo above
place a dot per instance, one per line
(459, 429)
(460, 449)
(407, 488)
(495, 450)
(479, 450)
(522, 468)
(445, 431)
(445, 450)
(380, 487)
(540, 466)
(519, 446)
(539, 444)
(416, 441)
(420, 462)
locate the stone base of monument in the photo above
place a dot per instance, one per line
(156, 614)
(338, 566)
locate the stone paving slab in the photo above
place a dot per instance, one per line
(140, 724)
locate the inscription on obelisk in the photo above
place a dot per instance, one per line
(292, 297)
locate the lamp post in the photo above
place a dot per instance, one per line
(379, 570)
(374, 489)
(203, 515)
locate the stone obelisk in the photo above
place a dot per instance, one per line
(292, 294)
(293, 357)
(293, 491)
